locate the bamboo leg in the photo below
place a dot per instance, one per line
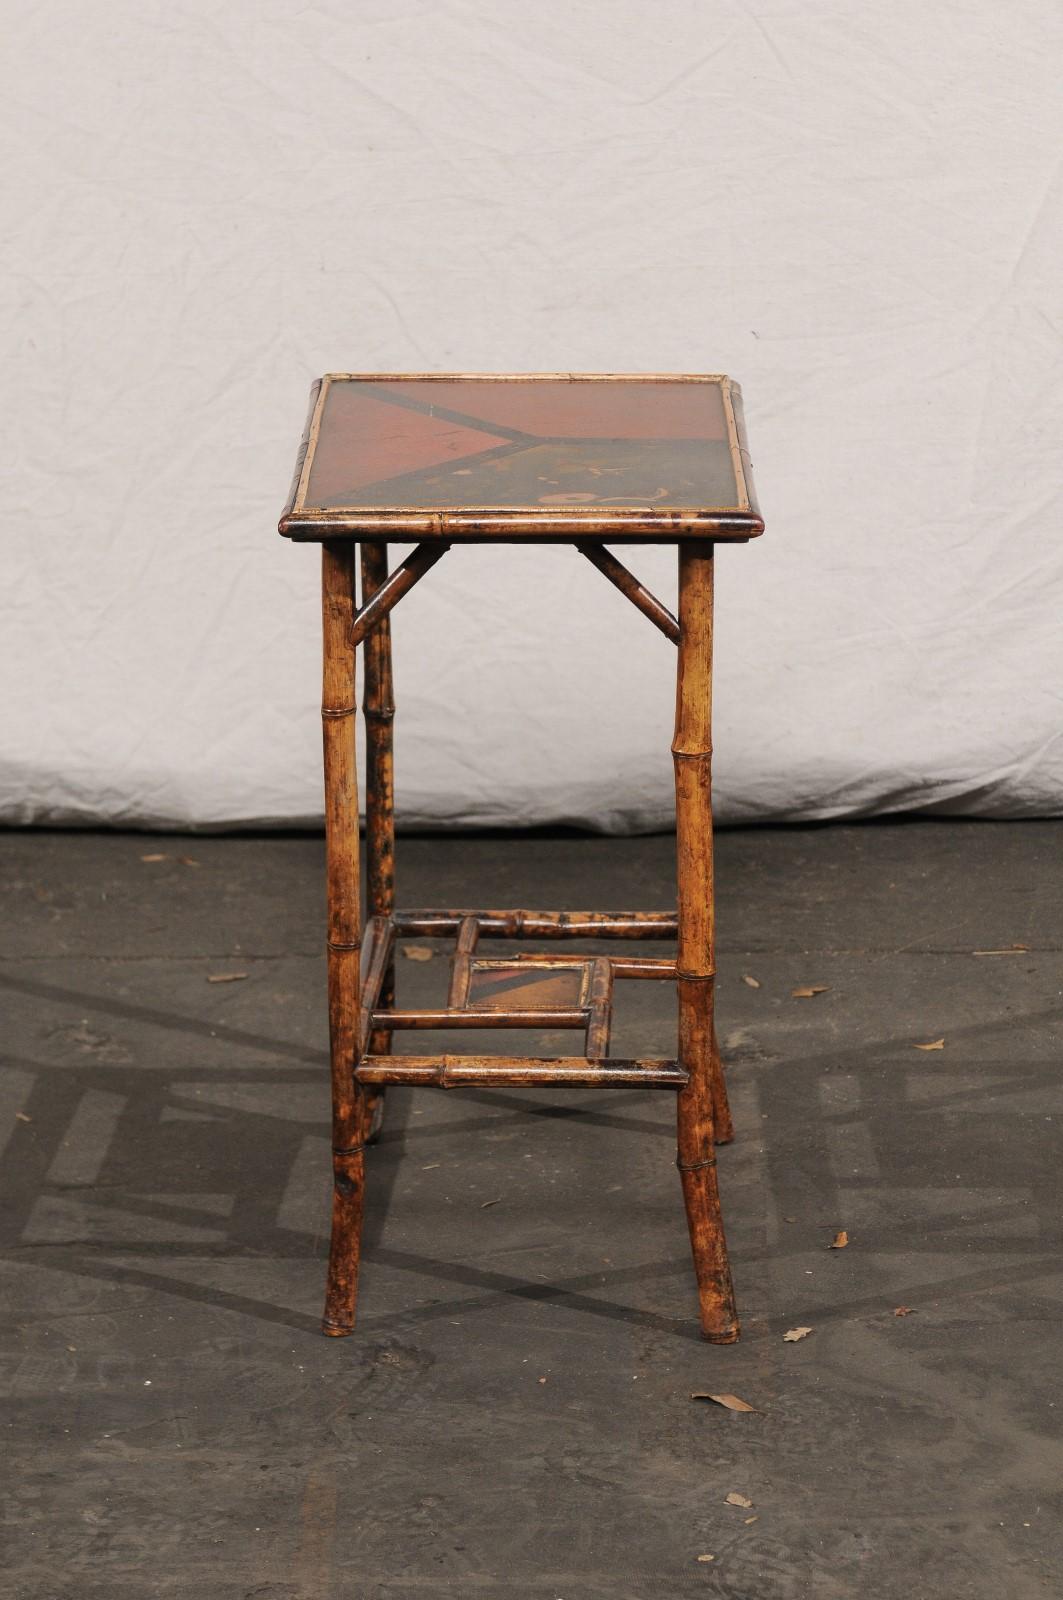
(378, 706)
(702, 1107)
(349, 1120)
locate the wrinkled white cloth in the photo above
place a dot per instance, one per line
(852, 210)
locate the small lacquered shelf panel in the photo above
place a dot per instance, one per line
(558, 456)
(503, 985)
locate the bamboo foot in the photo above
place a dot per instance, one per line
(701, 1195)
(348, 1205)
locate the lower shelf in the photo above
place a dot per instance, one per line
(526, 990)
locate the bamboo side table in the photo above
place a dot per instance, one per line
(556, 459)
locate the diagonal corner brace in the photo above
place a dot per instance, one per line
(394, 586)
(630, 586)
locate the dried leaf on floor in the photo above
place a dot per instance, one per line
(902, 1311)
(808, 991)
(187, 861)
(706, 1558)
(226, 977)
(792, 1335)
(735, 1499)
(753, 983)
(748, 1520)
(1012, 950)
(840, 1241)
(487, 1203)
(20, 1116)
(935, 1044)
(417, 952)
(155, 857)
(730, 1401)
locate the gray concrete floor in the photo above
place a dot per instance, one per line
(513, 1416)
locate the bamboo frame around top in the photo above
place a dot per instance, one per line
(535, 524)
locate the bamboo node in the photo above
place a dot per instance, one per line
(695, 1166)
(351, 1150)
(336, 712)
(341, 947)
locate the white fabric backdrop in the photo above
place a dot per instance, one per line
(854, 210)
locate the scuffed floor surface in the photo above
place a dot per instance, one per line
(513, 1416)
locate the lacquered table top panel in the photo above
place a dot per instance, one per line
(459, 455)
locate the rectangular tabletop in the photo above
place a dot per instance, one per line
(538, 457)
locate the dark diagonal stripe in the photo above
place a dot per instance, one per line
(376, 391)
